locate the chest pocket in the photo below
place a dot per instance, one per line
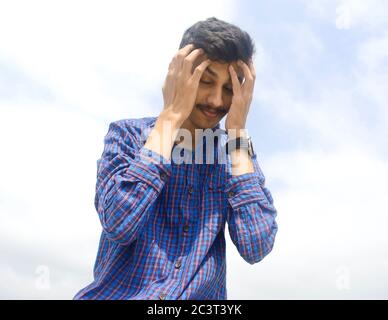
(215, 202)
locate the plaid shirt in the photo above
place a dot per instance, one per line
(163, 223)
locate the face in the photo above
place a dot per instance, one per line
(214, 96)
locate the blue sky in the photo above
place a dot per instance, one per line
(318, 122)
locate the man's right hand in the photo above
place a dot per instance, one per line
(179, 93)
(181, 84)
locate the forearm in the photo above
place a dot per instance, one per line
(162, 136)
(241, 162)
(253, 230)
(251, 217)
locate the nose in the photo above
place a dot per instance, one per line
(214, 99)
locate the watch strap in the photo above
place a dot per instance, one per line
(239, 143)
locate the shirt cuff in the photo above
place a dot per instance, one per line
(150, 167)
(244, 189)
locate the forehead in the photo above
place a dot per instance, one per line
(220, 71)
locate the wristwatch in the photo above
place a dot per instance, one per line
(240, 143)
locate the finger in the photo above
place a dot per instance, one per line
(249, 79)
(235, 82)
(186, 49)
(252, 68)
(198, 71)
(190, 59)
(247, 71)
(181, 54)
(176, 60)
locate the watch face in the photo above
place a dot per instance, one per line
(250, 147)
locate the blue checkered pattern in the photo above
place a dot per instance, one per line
(163, 224)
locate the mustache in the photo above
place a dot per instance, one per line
(220, 110)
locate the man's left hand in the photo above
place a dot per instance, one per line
(242, 96)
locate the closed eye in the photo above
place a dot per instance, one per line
(227, 89)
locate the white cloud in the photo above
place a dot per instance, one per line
(373, 54)
(47, 192)
(331, 216)
(371, 74)
(346, 14)
(369, 14)
(70, 47)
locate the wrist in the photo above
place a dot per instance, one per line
(237, 133)
(169, 115)
(236, 144)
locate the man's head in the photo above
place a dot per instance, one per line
(224, 44)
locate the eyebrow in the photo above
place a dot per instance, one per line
(213, 73)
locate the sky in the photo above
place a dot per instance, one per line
(318, 122)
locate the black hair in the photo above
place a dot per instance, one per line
(221, 41)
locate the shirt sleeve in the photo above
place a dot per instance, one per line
(130, 178)
(251, 214)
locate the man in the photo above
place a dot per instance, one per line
(164, 223)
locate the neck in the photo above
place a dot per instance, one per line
(189, 125)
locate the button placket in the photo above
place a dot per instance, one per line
(162, 296)
(217, 194)
(185, 229)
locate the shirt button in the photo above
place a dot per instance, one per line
(186, 228)
(163, 176)
(191, 189)
(231, 193)
(178, 264)
(162, 296)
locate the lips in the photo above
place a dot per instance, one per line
(209, 114)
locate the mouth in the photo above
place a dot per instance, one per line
(210, 114)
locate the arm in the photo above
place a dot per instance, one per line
(130, 176)
(129, 180)
(251, 215)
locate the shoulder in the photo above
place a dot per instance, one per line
(137, 128)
